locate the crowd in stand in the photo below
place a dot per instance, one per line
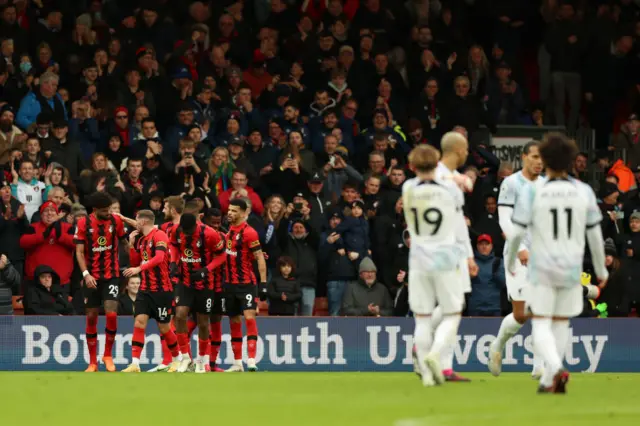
(308, 110)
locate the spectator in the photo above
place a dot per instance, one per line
(9, 285)
(284, 289)
(26, 188)
(240, 189)
(488, 282)
(333, 259)
(367, 297)
(64, 151)
(49, 242)
(354, 231)
(608, 195)
(128, 296)
(300, 243)
(44, 296)
(628, 139)
(43, 98)
(11, 137)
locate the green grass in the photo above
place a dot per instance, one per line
(308, 399)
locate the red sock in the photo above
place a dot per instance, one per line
(215, 337)
(91, 332)
(252, 337)
(166, 353)
(137, 342)
(236, 339)
(110, 332)
(183, 342)
(172, 342)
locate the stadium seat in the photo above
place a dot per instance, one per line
(321, 307)
(18, 307)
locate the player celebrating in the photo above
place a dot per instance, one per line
(439, 240)
(197, 251)
(558, 213)
(97, 243)
(517, 287)
(455, 150)
(243, 246)
(214, 219)
(155, 297)
(173, 209)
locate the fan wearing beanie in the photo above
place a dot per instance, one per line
(367, 296)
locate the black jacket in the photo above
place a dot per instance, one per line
(291, 288)
(9, 284)
(68, 154)
(40, 301)
(10, 232)
(303, 252)
(126, 306)
(335, 266)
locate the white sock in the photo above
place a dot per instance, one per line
(445, 334)
(560, 331)
(205, 359)
(177, 358)
(135, 361)
(422, 336)
(237, 362)
(447, 354)
(544, 341)
(436, 317)
(508, 328)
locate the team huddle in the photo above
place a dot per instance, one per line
(545, 221)
(186, 269)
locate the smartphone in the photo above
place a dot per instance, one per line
(297, 206)
(332, 160)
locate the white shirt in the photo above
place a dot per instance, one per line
(30, 194)
(433, 213)
(557, 213)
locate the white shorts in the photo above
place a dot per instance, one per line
(518, 284)
(426, 290)
(549, 301)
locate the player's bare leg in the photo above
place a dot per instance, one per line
(215, 338)
(235, 323)
(422, 339)
(182, 332)
(550, 339)
(444, 336)
(91, 333)
(203, 342)
(252, 338)
(111, 315)
(510, 326)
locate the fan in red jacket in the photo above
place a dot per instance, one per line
(49, 242)
(240, 189)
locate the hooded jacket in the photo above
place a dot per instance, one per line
(54, 250)
(40, 301)
(487, 285)
(303, 251)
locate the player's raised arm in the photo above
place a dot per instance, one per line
(595, 240)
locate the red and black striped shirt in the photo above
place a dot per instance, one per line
(169, 228)
(196, 251)
(242, 242)
(101, 245)
(151, 253)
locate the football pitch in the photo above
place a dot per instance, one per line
(305, 399)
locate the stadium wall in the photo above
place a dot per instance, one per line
(323, 344)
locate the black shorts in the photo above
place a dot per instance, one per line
(158, 306)
(198, 301)
(107, 290)
(239, 298)
(218, 303)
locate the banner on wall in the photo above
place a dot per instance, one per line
(509, 149)
(323, 344)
